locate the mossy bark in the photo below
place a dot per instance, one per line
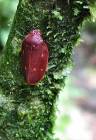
(27, 112)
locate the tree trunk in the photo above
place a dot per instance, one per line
(27, 112)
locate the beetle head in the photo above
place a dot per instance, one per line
(36, 37)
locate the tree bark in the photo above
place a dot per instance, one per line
(27, 112)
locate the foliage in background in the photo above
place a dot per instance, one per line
(7, 11)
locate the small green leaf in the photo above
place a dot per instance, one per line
(57, 15)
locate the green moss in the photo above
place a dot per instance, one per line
(28, 112)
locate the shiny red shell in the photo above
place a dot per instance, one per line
(34, 57)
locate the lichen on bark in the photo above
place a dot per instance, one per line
(27, 112)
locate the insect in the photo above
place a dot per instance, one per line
(34, 57)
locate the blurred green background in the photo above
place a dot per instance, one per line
(76, 106)
(7, 11)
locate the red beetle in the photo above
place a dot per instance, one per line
(34, 57)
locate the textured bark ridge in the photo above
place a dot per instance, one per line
(26, 112)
